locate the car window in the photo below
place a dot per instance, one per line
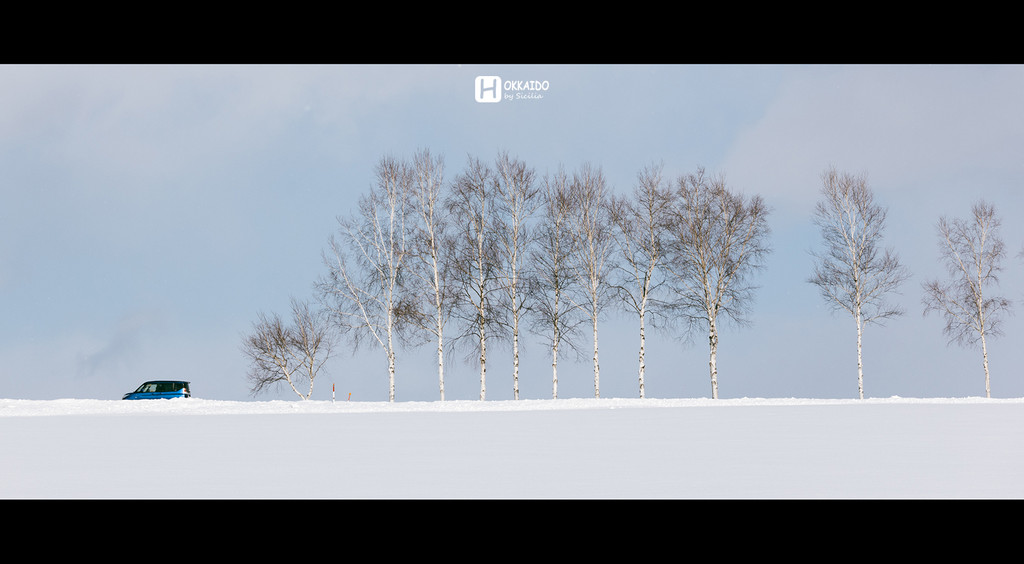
(162, 387)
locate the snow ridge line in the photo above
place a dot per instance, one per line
(198, 406)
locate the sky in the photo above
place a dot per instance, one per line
(149, 213)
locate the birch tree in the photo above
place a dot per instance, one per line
(718, 240)
(972, 251)
(289, 354)
(555, 317)
(853, 272)
(470, 206)
(516, 201)
(640, 221)
(591, 229)
(430, 256)
(366, 260)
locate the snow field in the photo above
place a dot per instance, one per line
(529, 449)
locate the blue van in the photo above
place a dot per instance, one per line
(160, 389)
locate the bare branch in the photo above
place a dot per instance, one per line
(853, 273)
(364, 287)
(288, 354)
(555, 317)
(517, 199)
(718, 240)
(475, 261)
(972, 252)
(430, 254)
(591, 229)
(639, 224)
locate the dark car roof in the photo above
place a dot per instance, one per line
(161, 381)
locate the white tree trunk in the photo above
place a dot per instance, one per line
(860, 362)
(984, 355)
(643, 342)
(440, 358)
(515, 357)
(439, 330)
(713, 360)
(483, 364)
(391, 376)
(984, 347)
(554, 370)
(390, 349)
(597, 366)
(291, 383)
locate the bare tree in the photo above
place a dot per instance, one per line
(554, 315)
(366, 262)
(470, 206)
(591, 229)
(854, 273)
(516, 201)
(972, 251)
(430, 260)
(719, 238)
(290, 354)
(640, 222)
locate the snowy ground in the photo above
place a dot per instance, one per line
(527, 449)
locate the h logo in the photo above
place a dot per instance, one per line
(488, 89)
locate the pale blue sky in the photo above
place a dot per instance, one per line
(150, 212)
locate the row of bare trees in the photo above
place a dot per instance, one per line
(497, 252)
(855, 274)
